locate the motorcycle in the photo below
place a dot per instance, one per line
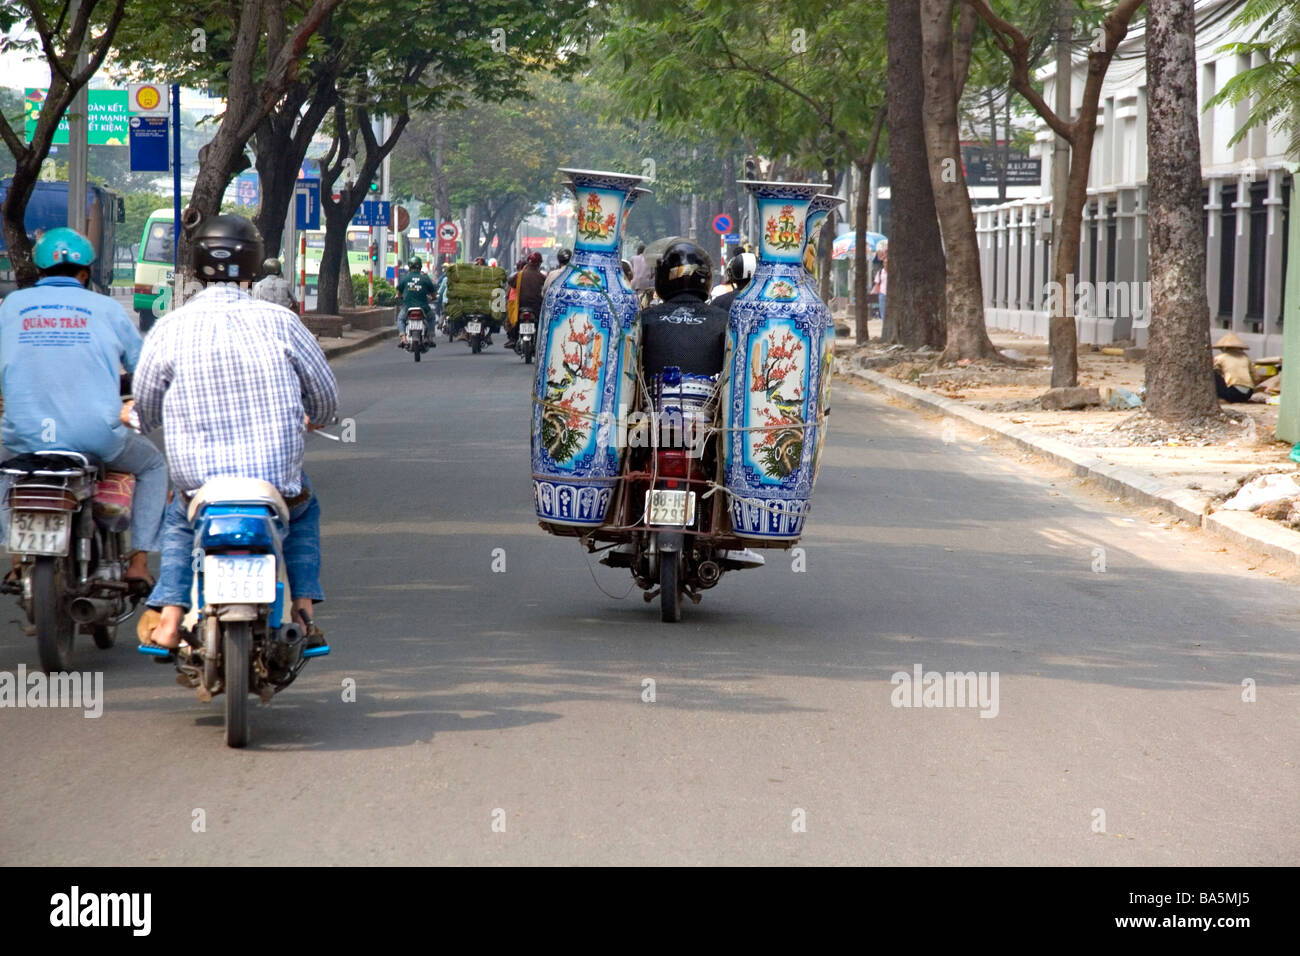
(69, 520)
(477, 326)
(245, 640)
(668, 527)
(526, 341)
(417, 340)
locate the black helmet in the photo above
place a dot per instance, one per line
(415, 263)
(741, 269)
(683, 268)
(270, 267)
(563, 257)
(225, 249)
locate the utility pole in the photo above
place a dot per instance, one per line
(79, 143)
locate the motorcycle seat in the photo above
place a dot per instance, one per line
(238, 491)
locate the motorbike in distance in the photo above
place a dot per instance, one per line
(526, 341)
(419, 337)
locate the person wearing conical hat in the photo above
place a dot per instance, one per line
(1234, 380)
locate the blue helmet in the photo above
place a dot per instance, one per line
(63, 246)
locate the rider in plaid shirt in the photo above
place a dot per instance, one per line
(233, 379)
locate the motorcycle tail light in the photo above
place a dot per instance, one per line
(674, 463)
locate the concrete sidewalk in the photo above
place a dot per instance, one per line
(353, 340)
(1139, 474)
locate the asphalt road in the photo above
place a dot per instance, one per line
(516, 698)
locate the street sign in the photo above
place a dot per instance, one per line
(147, 99)
(403, 219)
(372, 213)
(448, 247)
(428, 228)
(731, 237)
(449, 230)
(306, 201)
(722, 224)
(148, 143)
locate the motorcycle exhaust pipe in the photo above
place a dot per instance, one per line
(708, 573)
(85, 610)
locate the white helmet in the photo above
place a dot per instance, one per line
(741, 268)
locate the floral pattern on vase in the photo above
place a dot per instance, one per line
(588, 338)
(776, 341)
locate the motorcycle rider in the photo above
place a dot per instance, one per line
(416, 289)
(529, 280)
(683, 329)
(562, 259)
(274, 287)
(62, 349)
(739, 270)
(233, 379)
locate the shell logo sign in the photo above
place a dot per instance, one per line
(147, 98)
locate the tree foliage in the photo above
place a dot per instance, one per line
(1274, 85)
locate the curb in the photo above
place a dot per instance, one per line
(347, 348)
(1241, 528)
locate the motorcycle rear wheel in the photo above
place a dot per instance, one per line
(476, 344)
(238, 640)
(670, 592)
(54, 626)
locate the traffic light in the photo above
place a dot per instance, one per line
(751, 169)
(374, 186)
(374, 252)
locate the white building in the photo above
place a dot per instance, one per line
(1248, 193)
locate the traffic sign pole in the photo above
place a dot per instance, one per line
(370, 244)
(302, 278)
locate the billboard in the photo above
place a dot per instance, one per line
(108, 115)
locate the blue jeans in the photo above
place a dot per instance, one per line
(141, 458)
(880, 298)
(302, 556)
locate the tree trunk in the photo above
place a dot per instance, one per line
(337, 216)
(916, 298)
(13, 212)
(1179, 370)
(347, 294)
(861, 213)
(967, 336)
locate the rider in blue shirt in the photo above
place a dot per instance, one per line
(62, 349)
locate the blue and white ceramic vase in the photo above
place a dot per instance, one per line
(818, 210)
(776, 346)
(588, 336)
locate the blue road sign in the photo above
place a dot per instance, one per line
(147, 136)
(306, 200)
(372, 214)
(428, 228)
(722, 224)
(731, 237)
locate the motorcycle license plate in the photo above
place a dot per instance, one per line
(39, 532)
(415, 325)
(473, 328)
(239, 579)
(527, 328)
(676, 508)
